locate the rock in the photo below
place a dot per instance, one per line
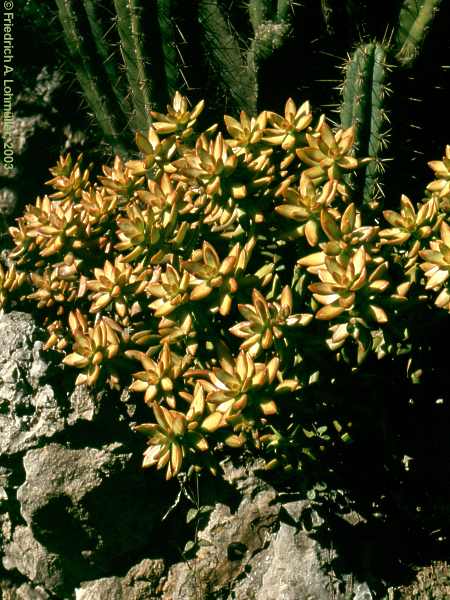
(254, 554)
(31, 559)
(272, 574)
(47, 84)
(23, 592)
(26, 592)
(29, 410)
(4, 475)
(362, 592)
(8, 200)
(229, 541)
(24, 129)
(77, 510)
(96, 498)
(107, 588)
(37, 119)
(29, 407)
(84, 406)
(141, 581)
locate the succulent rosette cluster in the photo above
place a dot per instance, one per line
(201, 273)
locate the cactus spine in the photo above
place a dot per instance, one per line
(169, 51)
(129, 28)
(236, 76)
(240, 56)
(364, 92)
(83, 65)
(414, 22)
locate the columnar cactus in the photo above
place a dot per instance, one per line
(364, 94)
(239, 56)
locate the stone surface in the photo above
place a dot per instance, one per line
(31, 559)
(23, 592)
(76, 511)
(251, 552)
(141, 581)
(8, 200)
(83, 405)
(255, 553)
(35, 118)
(29, 410)
(97, 497)
(273, 577)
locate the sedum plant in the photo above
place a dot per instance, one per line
(214, 273)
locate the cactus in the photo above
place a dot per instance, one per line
(375, 71)
(241, 57)
(152, 48)
(129, 28)
(364, 92)
(415, 19)
(98, 100)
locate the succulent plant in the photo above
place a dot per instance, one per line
(179, 274)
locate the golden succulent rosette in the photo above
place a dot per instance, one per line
(205, 273)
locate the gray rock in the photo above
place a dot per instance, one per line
(87, 509)
(4, 475)
(8, 199)
(23, 592)
(228, 542)
(31, 559)
(36, 118)
(27, 592)
(47, 83)
(92, 497)
(107, 588)
(23, 128)
(141, 581)
(362, 592)
(84, 406)
(29, 410)
(253, 554)
(291, 568)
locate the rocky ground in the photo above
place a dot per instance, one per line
(81, 520)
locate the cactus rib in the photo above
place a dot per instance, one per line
(364, 92)
(85, 73)
(168, 44)
(238, 78)
(414, 22)
(128, 24)
(104, 52)
(258, 11)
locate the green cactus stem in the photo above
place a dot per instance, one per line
(259, 11)
(414, 23)
(363, 107)
(283, 8)
(105, 53)
(166, 27)
(83, 65)
(234, 73)
(132, 56)
(129, 27)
